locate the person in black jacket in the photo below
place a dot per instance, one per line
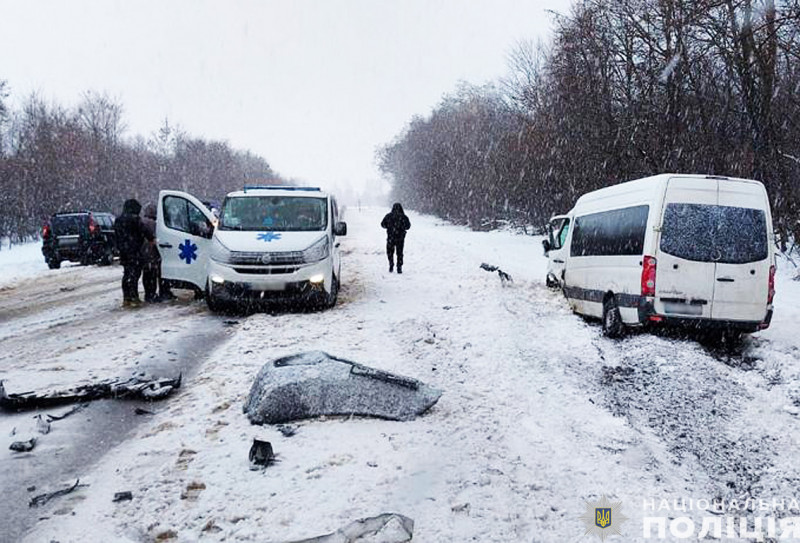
(396, 223)
(151, 262)
(131, 235)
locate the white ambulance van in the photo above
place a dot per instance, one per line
(269, 244)
(672, 249)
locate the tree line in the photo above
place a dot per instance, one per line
(625, 89)
(56, 159)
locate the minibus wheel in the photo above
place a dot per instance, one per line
(612, 321)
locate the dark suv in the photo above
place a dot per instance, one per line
(82, 236)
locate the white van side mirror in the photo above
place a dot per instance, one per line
(546, 246)
(340, 229)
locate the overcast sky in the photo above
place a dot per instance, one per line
(313, 86)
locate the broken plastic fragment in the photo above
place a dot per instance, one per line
(386, 528)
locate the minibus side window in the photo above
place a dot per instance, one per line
(618, 232)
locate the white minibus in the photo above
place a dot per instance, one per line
(672, 249)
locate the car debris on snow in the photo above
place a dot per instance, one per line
(51, 418)
(42, 426)
(385, 528)
(135, 387)
(42, 499)
(122, 496)
(261, 454)
(314, 384)
(504, 277)
(287, 430)
(23, 446)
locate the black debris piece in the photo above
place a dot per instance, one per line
(72, 411)
(42, 499)
(123, 496)
(140, 411)
(135, 387)
(261, 453)
(23, 446)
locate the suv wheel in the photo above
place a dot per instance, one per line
(54, 264)
(612, 321)
(107, 258)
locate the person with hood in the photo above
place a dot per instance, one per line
(396, 224)
(131, 235)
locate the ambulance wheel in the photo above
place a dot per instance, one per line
(214, 304)
(333, 295)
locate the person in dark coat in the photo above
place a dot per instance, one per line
(151, 262)
(131, 235)
(396, 224)
(151, 259)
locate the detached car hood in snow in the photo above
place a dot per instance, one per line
(313, 384)
(263, 241)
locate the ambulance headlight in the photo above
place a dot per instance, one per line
(318, 251)
(220, 253)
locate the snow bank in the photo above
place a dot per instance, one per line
(21, 262)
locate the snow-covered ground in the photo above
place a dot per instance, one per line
(539, 414)
(22, 261)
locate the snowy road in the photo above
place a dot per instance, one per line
(540, 413)
(67, 327)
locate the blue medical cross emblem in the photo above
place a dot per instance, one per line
(602, 517)
(268, 236)
(188, 251)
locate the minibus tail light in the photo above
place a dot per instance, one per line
(46, 231)
(771, 290)
(649, 276)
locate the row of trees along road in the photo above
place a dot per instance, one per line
(58, 159)
(625, 89)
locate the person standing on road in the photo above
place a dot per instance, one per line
(151, 259)
(396, 224)
(131, 235)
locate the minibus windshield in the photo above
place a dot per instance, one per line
(711, 233)
(275, 213)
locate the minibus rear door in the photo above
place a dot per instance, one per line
(685, 276)
(742, 272)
